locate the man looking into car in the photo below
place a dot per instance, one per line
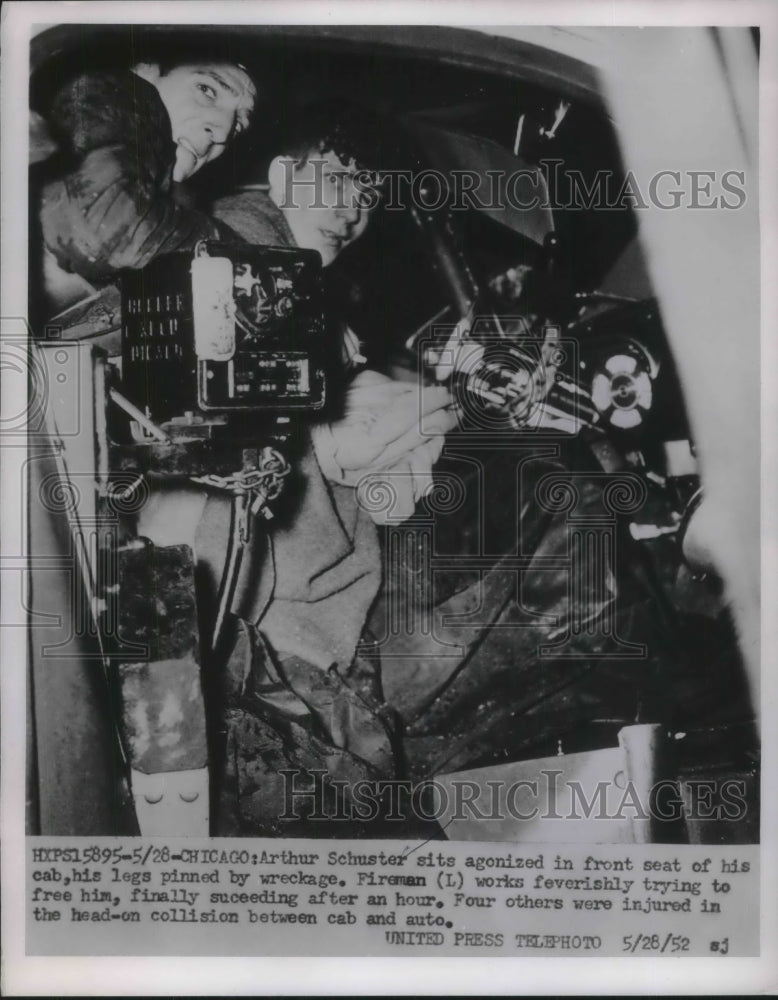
(124, 140)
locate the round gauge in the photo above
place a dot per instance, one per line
(622, 389)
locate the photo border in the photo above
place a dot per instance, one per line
(26, 976)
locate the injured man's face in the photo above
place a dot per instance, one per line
(327, 203)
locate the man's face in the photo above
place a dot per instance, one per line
(324, 207)
(208, 104)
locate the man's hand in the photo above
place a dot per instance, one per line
(392, 433)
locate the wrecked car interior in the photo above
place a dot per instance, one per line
(545, 595)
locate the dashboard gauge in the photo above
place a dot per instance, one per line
(622, 388)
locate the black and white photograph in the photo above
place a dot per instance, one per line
(390, 449)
